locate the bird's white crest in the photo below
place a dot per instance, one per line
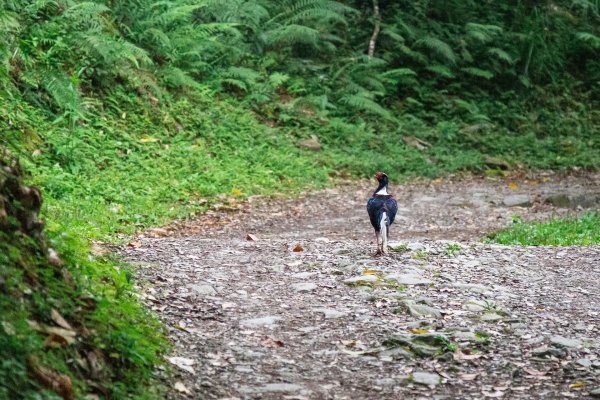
(383, 191)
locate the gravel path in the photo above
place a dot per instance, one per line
(443, 317)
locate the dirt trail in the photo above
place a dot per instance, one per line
(438, 319)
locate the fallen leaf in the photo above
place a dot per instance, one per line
(270, 342)
(492, 394)
(180, 387)
(59, 320)
(513, 185)
(148, 139)
(419, 331)
(67, 334)
(577, 385)
(534, 372)
(183, 363)
(468, 377)
(236, 192)
(135, 244)
(181, 328)
(55, 341)
(251, 237)
(51, 379)
(459, 355)
(370, 272)
(298, 248)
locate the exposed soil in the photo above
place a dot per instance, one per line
(443, 317)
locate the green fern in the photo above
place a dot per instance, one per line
(439, 47)
(440, 70)
(481, 73)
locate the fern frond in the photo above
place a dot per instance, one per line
(245, 74)
(293, 34)
(481, 73)
(399, 72)
(501, 55)
(441, 70)
(482, 33)
(439, 47)
(589, 38)
(362, 103)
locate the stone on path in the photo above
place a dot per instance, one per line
(426, 378)
(330, 313)
(421, 310)
(517, 200)
(357, 280)
(272, 388)
(203, 289)
(561, 341)
(408, 279)
(304, 287)
(491, 317)
(262, 321)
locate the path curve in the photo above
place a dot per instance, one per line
(445, 317)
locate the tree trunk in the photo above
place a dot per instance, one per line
(376, 30)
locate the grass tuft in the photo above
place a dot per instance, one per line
(583, 230)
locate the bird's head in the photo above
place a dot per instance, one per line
(381, 176)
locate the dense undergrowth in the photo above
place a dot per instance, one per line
(128, 114)
(69, 325)
(583, 230)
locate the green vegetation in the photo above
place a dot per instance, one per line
(583, 230)
(452, 249)
(71, 322)
(129, 114)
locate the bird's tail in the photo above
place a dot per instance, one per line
(383, 223)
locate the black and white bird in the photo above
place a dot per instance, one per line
(382, 208)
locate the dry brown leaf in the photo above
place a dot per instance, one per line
(534, 372)
(67, 334)
(55, 341)
(251, 237)
(468, 377)
(61, 384)
(298, 248)
(270, 342)
(59, 320)
(135, 244)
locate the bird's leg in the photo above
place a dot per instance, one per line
(378, 238)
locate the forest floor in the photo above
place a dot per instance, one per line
(444, 317)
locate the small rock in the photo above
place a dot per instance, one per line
(584, 362)
(203, 289)
(406, 279)
(426, 378)
(595, 392)
(491, 316)
(358, 280)
(272, 388)
(304, 287)
(548, 352)
(312, 144)
(262, 321)
(560, 341)
(420, 310)
(517, 200)
(474, 305)
(330, 313)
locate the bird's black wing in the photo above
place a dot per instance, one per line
(392, 209)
